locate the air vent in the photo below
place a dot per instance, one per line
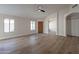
(75, 5)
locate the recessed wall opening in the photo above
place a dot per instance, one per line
(72, 24)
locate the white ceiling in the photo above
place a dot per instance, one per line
(30, 10)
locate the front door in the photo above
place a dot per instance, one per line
(40, 26)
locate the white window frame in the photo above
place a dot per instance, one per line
(9, 25)
(32, 26)
(12, 25)
(6, 29)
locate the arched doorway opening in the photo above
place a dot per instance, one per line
(72, 24)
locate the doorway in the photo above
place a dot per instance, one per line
(40, 26)
(72, 24)
(52, 27)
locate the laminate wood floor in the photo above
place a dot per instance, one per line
(40, 44)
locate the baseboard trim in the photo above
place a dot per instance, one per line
(72, 36)
(6, 38)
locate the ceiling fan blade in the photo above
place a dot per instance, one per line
(74, 5)
(42, 10)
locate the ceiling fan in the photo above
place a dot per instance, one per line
(40, 9)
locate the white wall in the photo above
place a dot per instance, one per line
(22, 26)
(61, 21)
(46, 26)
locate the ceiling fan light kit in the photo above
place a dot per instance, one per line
(40, 9)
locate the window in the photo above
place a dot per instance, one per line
(11, 25)
(52, 25)
(8, 25)
(32, 25)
